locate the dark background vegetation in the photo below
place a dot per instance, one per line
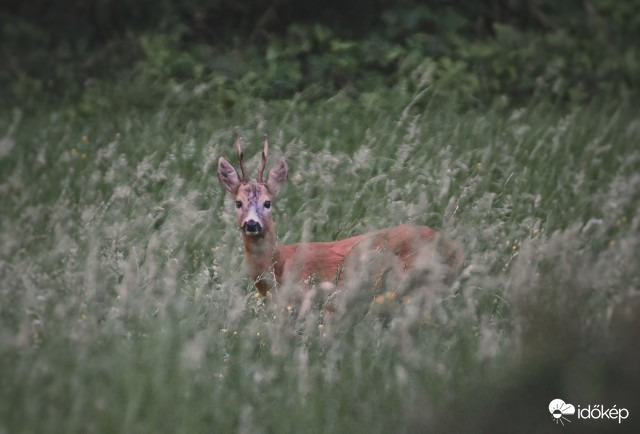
(473, 52)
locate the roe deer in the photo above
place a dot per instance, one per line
(398, 249)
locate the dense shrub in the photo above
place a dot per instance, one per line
(481, 51)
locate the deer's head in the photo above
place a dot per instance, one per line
(253, 199)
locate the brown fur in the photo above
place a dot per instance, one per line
(395, 250)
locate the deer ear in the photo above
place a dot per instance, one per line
(228, 176)
(277, 176)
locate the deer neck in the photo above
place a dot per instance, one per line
(260, 253)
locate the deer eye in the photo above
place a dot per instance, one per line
(238, 204)
(267, 204)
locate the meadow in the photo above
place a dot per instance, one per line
(125, 306)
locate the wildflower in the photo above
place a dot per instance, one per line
(297, 178)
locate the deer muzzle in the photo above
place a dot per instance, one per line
(252, 227)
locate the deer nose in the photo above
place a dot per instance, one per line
(252, 227)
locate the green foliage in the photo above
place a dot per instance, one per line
(481, 53)
(511, 126)
(126, 307)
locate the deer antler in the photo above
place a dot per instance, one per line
(265, 152)
(239, 144)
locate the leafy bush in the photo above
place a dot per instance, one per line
(478, 53)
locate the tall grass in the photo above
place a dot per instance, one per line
(125, 306)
